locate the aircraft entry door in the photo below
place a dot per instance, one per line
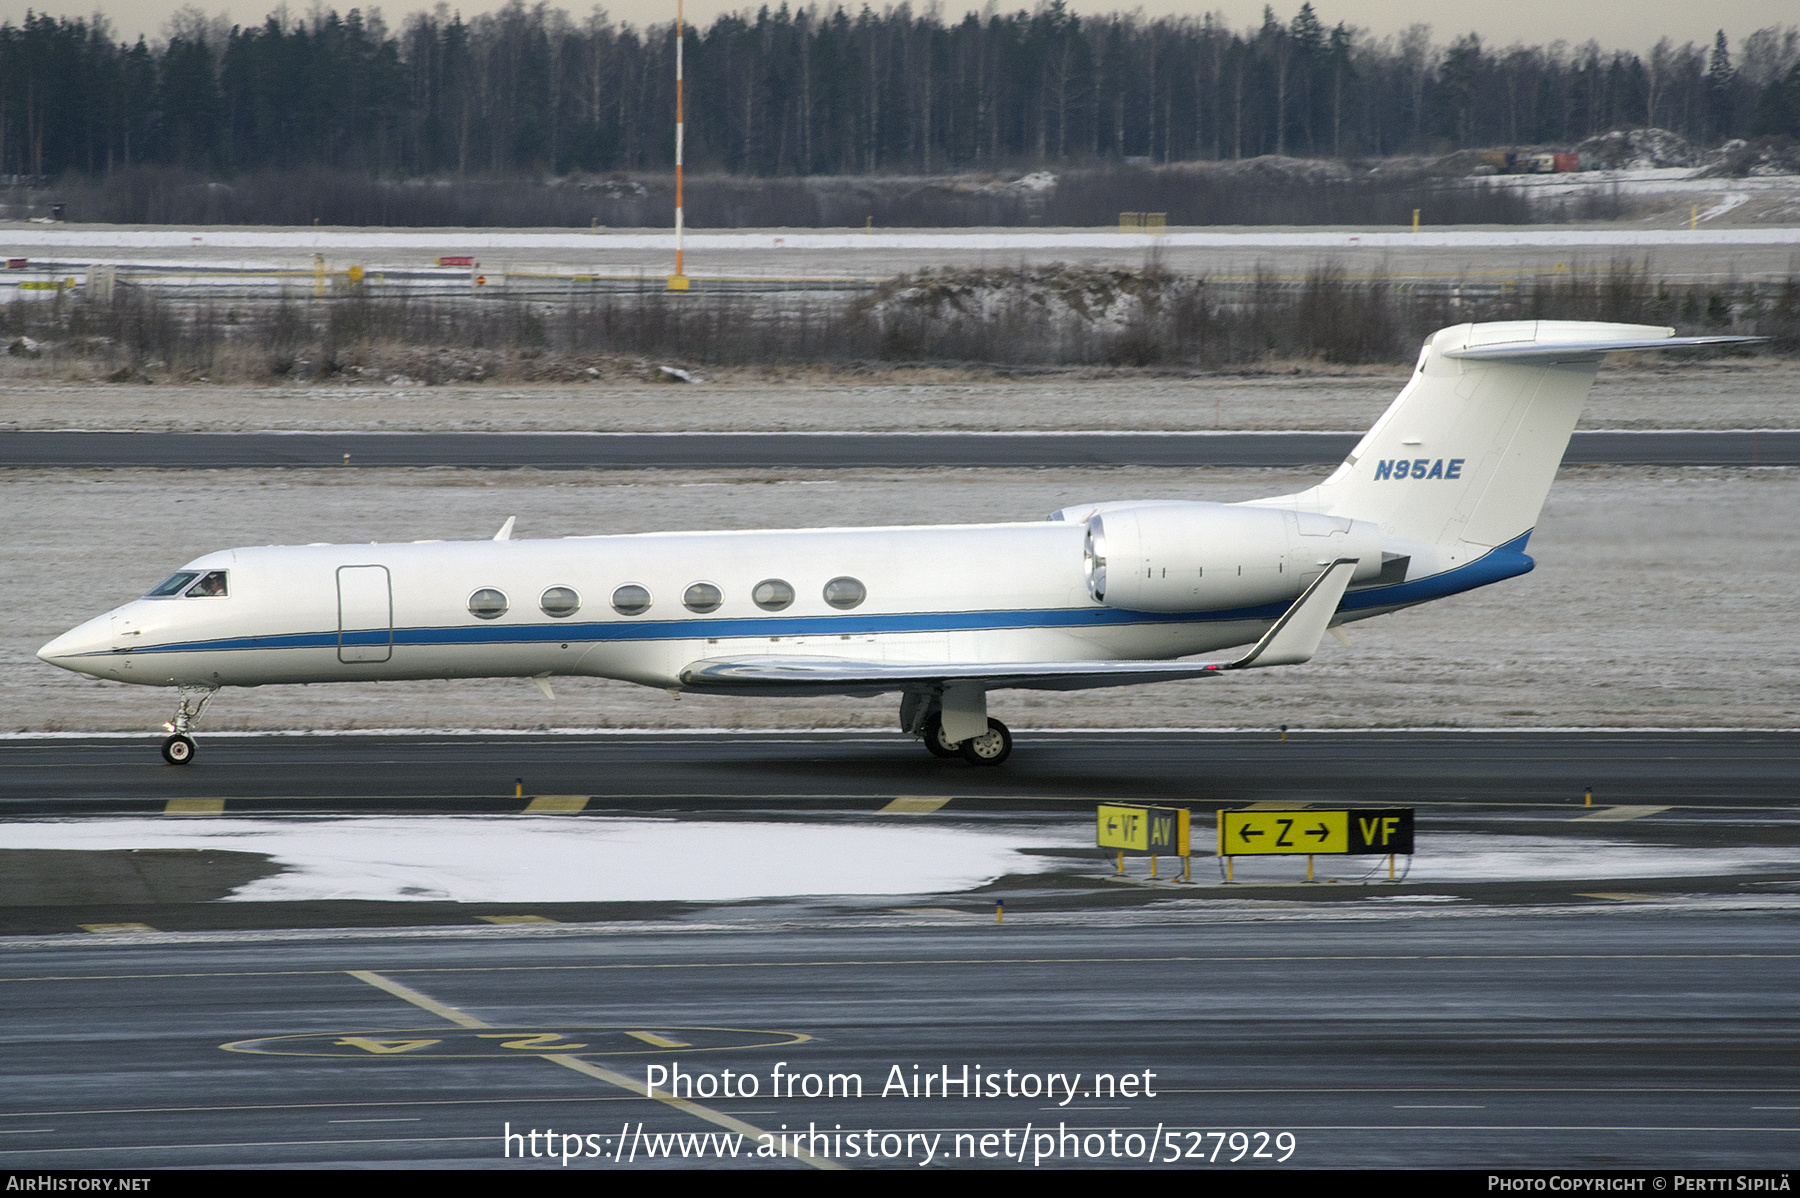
(365, 614)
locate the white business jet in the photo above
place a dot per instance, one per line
(1438, 498)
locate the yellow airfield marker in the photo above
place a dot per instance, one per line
(1622, 812)
(504, 919)
(116, 927)
(916, 804)
(563, 804)
(195, 807)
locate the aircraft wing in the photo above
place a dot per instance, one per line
(1293, 639)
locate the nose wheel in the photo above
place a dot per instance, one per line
(179, 748)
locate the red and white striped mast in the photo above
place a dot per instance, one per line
(678, 281)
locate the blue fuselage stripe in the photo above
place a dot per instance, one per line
(1507, 561)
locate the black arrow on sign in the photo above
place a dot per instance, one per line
(1321, 832)
(1246, 833)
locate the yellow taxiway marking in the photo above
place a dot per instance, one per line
(1627, 811)
(659, 1041)
(556, 804)
(195, 807)
(916, 804)
(116, 927)
(1278, 805)
(717, 1118)
(1624, 896)
(515, 919)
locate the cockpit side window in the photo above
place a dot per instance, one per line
(173, 585)
(211, 586)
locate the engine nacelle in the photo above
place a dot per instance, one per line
(1211, 556)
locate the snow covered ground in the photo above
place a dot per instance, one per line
(555, 859)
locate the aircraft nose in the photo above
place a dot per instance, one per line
(75, 649)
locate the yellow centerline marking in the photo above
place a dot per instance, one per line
(510, 919)
(461, 1019)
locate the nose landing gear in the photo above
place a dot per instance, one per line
(179, 748)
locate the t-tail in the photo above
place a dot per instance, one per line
(1458, 467)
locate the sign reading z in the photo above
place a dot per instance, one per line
(1419, 468)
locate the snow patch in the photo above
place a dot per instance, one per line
(551, 859)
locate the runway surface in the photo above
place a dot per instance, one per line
(622, 451)
(650, 772)
(1597, 1039)
(1478, 257)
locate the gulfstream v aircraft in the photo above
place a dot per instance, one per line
(1438, 498)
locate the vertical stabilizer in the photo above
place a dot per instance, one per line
(1467, 452)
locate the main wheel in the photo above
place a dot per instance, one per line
(990, 748)
(935, 744)
(178, 749)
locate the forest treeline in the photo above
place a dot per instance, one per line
(825, 91)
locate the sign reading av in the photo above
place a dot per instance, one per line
(1143, 831)
(1358, 831)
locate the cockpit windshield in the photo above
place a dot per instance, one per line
(212, 585)
(173, 585)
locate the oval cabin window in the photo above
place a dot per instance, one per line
(558, 602)
(487, 604)
(845, 593)
(703, 597)
(631, 600)
(772, 594)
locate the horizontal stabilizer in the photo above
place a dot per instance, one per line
(1568, 351)
(1293, 639)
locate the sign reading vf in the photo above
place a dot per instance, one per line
(1356, 831)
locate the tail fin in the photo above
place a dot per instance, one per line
(1467, 452)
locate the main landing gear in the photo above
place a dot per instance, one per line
(178, 748)
(990, 748)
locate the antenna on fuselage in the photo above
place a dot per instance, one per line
(505, 533)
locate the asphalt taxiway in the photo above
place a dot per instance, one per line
(1570, 1022)
(822, 450)
(466, 773)
(1597, 1040)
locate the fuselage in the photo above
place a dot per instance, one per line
(1010, 592)
(960, 593)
